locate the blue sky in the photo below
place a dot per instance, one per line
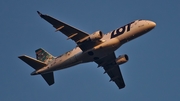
(151, 74)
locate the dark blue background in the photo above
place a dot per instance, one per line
(152, 73)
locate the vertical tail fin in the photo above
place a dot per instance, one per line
(43, 56)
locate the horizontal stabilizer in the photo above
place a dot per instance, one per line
(36, 64)
(49, 78)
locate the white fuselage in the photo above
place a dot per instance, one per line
(110, 42)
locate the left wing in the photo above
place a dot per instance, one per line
(112, 69)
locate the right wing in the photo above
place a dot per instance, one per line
(81, 38)
(69, 31)
(112, 69)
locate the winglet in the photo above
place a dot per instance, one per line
(40, 14)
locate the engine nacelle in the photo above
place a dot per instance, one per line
(122, 59)
(96, 36)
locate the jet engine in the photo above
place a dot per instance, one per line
(96, 36)
(122, 59)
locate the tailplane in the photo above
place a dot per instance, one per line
(36, 64)
(43, 58)
(49, 78)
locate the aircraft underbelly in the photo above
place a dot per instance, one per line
(93, 54)
(101, 50)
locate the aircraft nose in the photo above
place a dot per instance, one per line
(151, 24)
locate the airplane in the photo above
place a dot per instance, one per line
(96, 47)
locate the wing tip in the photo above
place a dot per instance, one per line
(21, 56)
(40, 14)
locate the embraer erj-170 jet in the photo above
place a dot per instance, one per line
(97, 47)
